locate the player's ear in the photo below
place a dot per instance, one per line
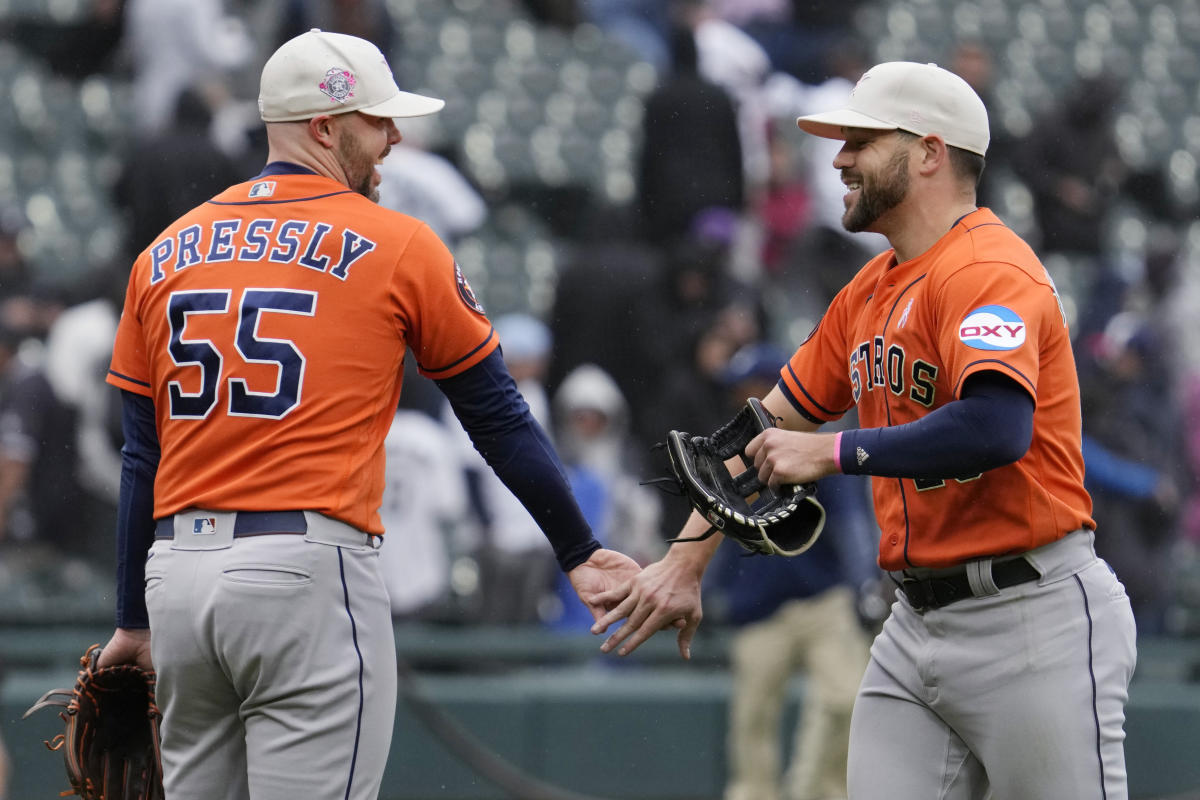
(933, 154)
(323, 128)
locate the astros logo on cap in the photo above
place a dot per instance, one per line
(338, 84)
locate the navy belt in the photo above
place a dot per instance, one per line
(925, 594)
(248, 523)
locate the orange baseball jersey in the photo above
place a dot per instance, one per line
(899, 340)
(269, 327)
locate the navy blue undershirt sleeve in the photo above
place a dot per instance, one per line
(135, 507)
(495, 415)
(989, 426)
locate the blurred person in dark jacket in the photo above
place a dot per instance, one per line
(691, 157)
(169, 173)
(795, 616)
(1136, 461)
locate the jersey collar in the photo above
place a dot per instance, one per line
(284, 168)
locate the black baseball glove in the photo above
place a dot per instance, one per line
(784, 521)
(110, 743)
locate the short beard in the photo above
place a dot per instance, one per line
(879, 195)
(353, 156)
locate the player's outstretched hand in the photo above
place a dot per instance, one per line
(604, 571)
(127, 646)
(664, 595)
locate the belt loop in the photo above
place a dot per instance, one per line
(979, 578)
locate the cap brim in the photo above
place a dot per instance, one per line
(405, 104)
(832, 124)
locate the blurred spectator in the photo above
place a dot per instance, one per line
(565, 14)
(14, 269)
(429, 187)
(785, 210)
(39, 494)
(598, 300)
(516, 569)
(794, 616)
(641, 25)
(424, 503)
(169, 173)
(1135, 458)
(1072, 165)
(971, 60)
(690, 323)
(366, 19)
(177, 44)
(76, 359)
(603, 467)
(691, 156)
(803, 42)
(728, 57)
(824, 258)
(84, 45)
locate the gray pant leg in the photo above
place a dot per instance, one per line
(289, 639)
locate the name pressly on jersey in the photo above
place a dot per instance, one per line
(226, 240)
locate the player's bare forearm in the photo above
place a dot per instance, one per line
(664, 595)
(792, 453)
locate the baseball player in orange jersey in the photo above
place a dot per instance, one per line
(259, 354)
(1003, 669)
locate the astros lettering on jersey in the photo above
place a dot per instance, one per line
(240, 313)
(899, 341)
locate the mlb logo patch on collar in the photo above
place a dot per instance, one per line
(262, 189)
(992, 328)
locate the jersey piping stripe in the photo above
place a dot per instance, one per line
(361, 668)
(276, 202)
(116, 374)
(791, 398)
(808, 397)
(491, 335)
(1092, 674)
(888, 409)
(986, 225)
(1016, 373)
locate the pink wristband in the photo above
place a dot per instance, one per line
(837, 450)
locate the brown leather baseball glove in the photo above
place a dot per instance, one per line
(111, 740)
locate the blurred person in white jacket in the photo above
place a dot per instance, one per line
(424, 500)
(174, 44)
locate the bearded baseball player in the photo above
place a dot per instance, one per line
(1003, 668)
(260, 357)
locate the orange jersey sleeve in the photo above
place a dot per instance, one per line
(904, 338)
(269, 327)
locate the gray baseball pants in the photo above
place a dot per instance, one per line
(1015, 695)
(276, 661)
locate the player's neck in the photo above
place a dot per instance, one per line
(922, 224)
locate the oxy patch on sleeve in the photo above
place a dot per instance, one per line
(992, 328)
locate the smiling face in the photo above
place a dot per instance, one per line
(874, 166)
(364, 142)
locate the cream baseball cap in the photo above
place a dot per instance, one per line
(332, 73)
(919, 98)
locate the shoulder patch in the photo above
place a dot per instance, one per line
(465, 292)
(992, 328)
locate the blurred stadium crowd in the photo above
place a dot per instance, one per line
(624, 186)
